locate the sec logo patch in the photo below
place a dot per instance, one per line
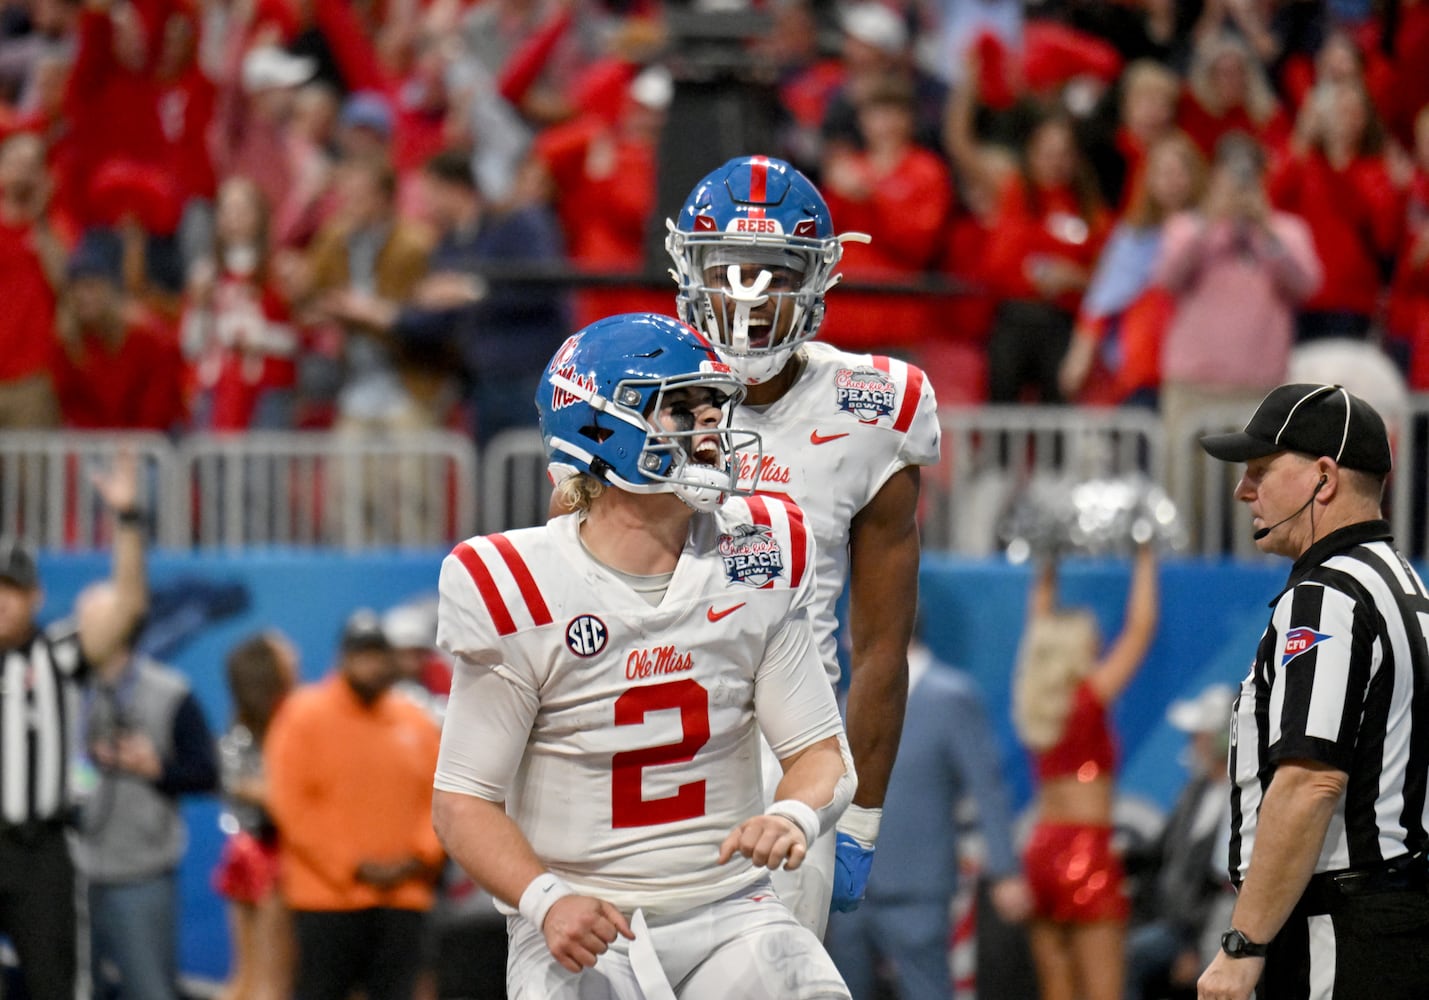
(586, 635)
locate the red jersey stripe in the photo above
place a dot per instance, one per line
(759, 510)
(758, 184)
(912, 393)
(535, 603)
(486, 587)
(798, 540)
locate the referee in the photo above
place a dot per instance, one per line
(1330, 735)
(39, 676)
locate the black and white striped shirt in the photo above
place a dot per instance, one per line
(1341, 676)
(39, 707)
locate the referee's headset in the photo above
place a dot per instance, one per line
(1298, 511)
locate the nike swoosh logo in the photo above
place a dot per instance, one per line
(715, 616)
(816, 438)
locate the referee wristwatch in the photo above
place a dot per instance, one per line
(1237, 945)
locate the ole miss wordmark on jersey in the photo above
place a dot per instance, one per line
(844, 428)
(642, 749)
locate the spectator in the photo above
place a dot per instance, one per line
(876, 47)
(38, 789)
(363, 258)
(1048, 230)
(901, 195)
(237, 331)
(1186, 878)
(1408, 319)
(261, 671)
(502, 331)
(115, 368)
(349, 768)
(1115, 355)
(1227, 91)
(1237, 272)
(146, 734)
(1338, 181)
(1063, 689)
(31, 265)
(947, 754)
(1148, 95)
(187, 100)
(599, 176)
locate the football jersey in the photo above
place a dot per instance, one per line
(638, 749)
(830, 443)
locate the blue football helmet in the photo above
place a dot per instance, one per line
(601, 396)
(755, 251)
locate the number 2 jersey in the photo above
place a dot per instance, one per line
(623, 737)
(846, 426)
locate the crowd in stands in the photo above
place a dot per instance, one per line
(282, 214)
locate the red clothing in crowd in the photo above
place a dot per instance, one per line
(1049, 225)
(1206, 128)
(136, 386)
(113, 113)
(186, 110)
(1411, 80)
(905, 213)
(27, 322)
(1354, 215)
(240, 348)
(604, 208)
(1408, 319)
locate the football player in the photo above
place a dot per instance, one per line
(844, 436)
(616, 667)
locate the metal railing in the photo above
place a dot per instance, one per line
(424, 490)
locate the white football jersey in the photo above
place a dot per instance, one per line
(636, 749)
(830, 443)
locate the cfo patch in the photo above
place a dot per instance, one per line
(1299, 641)
(865, 392)
(752, 555)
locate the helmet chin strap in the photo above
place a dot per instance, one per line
(704, 496)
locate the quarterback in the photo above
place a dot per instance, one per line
(843, 437)
(600, 765)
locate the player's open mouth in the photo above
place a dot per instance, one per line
(707, 452)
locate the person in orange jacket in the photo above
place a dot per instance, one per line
(350, 767)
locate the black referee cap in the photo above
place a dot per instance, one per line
(1313, 419)
(17, 565)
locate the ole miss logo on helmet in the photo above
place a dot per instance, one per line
(752, 555)
(1298, 641)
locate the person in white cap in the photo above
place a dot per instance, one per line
(1330, 737)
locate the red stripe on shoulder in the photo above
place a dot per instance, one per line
(798, 538)
(535, 603)
(486, 587)
(881, 362)
(759, 510)
(912, 393)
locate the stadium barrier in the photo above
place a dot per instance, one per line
(311, 490)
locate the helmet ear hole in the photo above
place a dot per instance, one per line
(596, 434)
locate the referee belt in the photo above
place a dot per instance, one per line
(32, 831)
(1406, 873)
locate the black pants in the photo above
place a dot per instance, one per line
(37, 909)
(1024, 351)
(379, 950)
(1380, 950)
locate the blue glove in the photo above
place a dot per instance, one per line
(852, 862)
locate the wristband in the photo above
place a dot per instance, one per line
(801, 814)
(861, 824)
(541, 895)
(134, 517)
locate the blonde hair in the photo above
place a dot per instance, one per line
(578, 492)
(1057, 651)
(1260, 102)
